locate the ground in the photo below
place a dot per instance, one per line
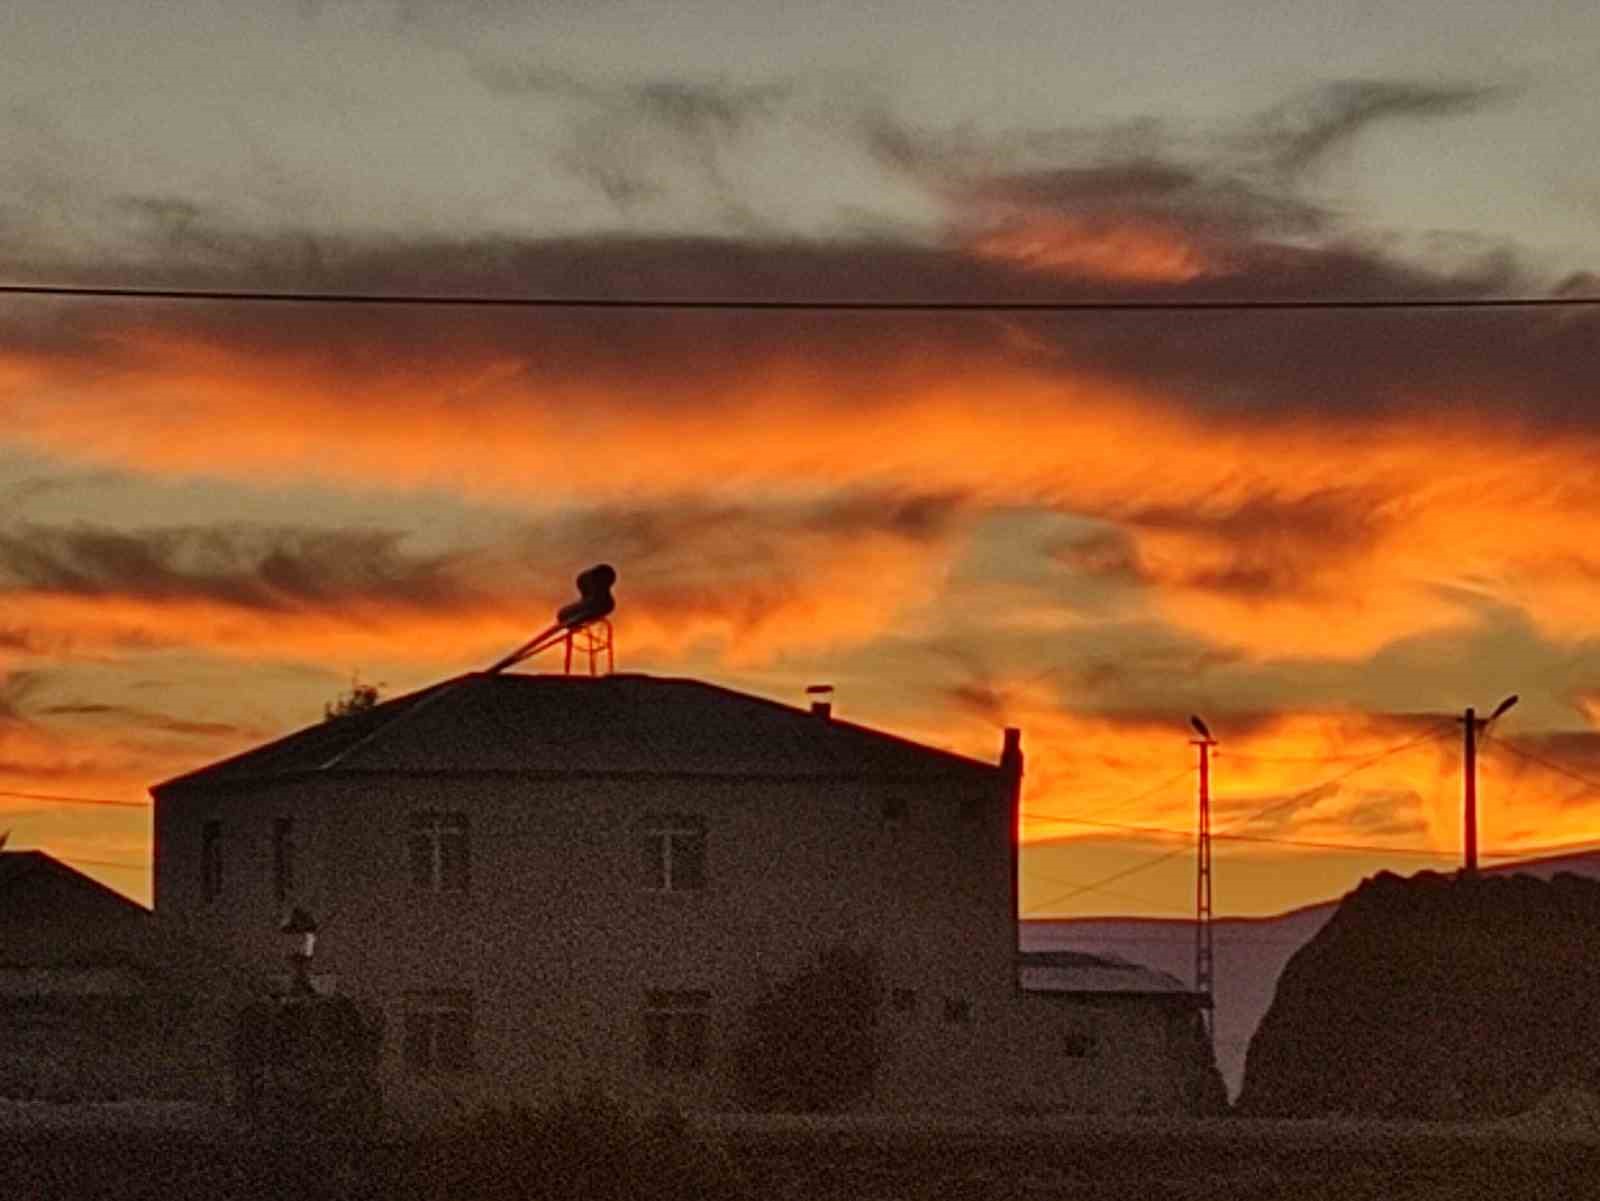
(108, 1152)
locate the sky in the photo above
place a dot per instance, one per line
(1327, 532)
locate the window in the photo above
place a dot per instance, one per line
(903, 1000)
(438, 1031)
(1081, 1043)
(438, 851)
(894, 812)
(677, 1027)
(283, 858)
(674, 852)
(958, 1010)
(211, 860)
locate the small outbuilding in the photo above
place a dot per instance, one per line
(101, 1002)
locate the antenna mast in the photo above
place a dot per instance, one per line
(1204, 948)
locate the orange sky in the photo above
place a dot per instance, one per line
(960, 539)
(1327, 532)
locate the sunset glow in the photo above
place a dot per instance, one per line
(1327, 531)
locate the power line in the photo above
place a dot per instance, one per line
(1436, 732)
(1548, 763)
(74, 800)
(447, 300)
(1430, 853)
(1125, 802)
(1121, 896)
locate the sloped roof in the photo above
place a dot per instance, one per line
(581, 725)
(21, 869)
(1082, 972)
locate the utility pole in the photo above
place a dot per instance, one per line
(1469, 797)
(1471, 723)
(1204, 950)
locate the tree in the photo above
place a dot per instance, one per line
(812, 1040)
(359, 699)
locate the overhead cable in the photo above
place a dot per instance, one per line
(57, 799)
(1435, 733)
(451, 300)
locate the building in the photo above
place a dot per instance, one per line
(1132, 1035)
(542, 882)
(98, 1000)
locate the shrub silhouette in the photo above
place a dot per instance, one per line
(583, 1146)
(359, 699)
(812, 1040)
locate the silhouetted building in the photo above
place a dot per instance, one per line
(98, 1001)
(546, 881)
(1132, 1035)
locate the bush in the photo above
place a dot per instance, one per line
(812, 1044)
(585, 1146)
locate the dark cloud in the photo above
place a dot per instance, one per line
(1258, 237)
(1187, 199)
(251, 568)
(1305, 129)
(631, 139)
(15, 688)
(146, 719)
(1260, 545)
(1250, 366)
(1273, 546)
(732, 570)
(693, 539)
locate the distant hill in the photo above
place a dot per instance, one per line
(1250, 952)
(1438, 997)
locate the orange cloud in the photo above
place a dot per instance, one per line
(1310, 538)
(1120, 249)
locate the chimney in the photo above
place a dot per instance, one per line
(821, 705)
(1011, 752)
(1011, 781)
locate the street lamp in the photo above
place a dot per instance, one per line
(299, 932)
(1471, 723)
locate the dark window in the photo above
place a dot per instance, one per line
(438, 852)
(958, 1010)
(438, 1031)
(211, 860)
(969, 809)
(894, 810)
(903, 1000)
(283, 857)
(1081, 1043)
(674, 852)
(677, 1029)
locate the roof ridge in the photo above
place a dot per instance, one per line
(431, 694)
(869, 731)
(549, 721)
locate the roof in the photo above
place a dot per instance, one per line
(33, 869)
(64, 932)
(1083, 973)
(624, 724)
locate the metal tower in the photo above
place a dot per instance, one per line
(1204, 949)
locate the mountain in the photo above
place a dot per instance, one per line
(1438, 996)
(1250, 952)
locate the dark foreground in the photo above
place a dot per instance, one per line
(822, 1161)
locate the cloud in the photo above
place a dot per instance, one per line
(753, 579)
(1304, 484)
(136, 718)
(634, 140)
(1304, 130)
(262, 569)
